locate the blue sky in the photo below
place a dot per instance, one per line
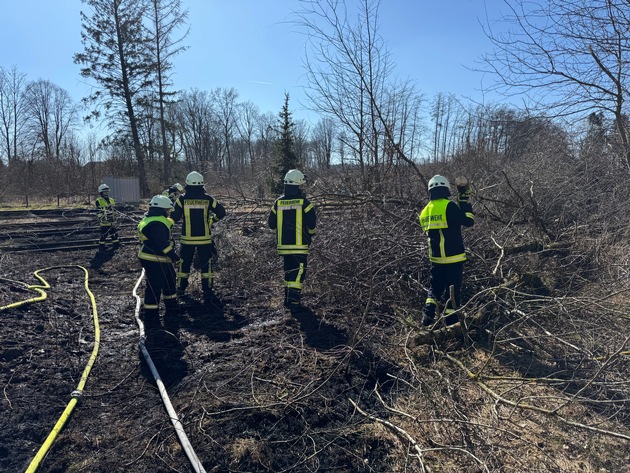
(252, 46)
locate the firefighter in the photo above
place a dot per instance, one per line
(442, 221)
(198, 212)
(174, 192)
(106, 218)
(293, 217)
(157, 256)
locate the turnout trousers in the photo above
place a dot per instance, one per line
(294, 274)
(442, 277)
(160, 283)
(108, 231)
(204, 254)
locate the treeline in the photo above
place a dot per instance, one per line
(374, 132)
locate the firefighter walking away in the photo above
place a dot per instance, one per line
(198, 212)
(156, 256)
(442, 221)
(293, 218)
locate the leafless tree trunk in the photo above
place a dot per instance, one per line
(166, 19)
(117, 56)
(51, 114)
(349, 73)
(12, 111)
(571, 56)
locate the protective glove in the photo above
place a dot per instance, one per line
(464, 190)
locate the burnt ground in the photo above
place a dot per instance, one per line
(260, 390)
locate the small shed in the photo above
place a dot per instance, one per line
(124, 190)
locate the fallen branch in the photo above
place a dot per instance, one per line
(398, 431)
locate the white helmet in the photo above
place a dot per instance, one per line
(294, 178)
(161, 201)
(439, 181)
(179, 187)
(103, 188)
(194, 179)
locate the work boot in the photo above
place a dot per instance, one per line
(151, 319)
(451, 319)
(172, 315)
(287, 302)
(297, 308)
(429, 315)
(293, 298)
(173, 306)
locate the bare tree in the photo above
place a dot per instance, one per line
(248, 117)
(350, 78)
(226, 110)
(323, 137)
(117, 55)
(12, 112)
(51, 116)
(569, 55)
(196, 126)
(166, 19)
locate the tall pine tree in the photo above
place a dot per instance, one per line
(117, 55)
(286, 158)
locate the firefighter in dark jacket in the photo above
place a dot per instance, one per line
(442, 221)
(157, 256)
(198, 211)
(293, 217)
(106, 218)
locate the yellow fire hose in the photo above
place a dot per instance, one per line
(179, 428)
(37, 288)
(77, 393)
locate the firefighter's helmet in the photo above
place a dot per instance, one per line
(103, 188)
(438, 181)
(194, 179)
(179, 187)
(161, 201)
(294, 178)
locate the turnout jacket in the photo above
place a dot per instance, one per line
(199, 211)
(293, 217)
(106, 207)
(442, 221)
(154, 232)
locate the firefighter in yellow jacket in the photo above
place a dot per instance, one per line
(198, 212)
(442, 221)
(157, 256)
(293, 217)
(106, 218)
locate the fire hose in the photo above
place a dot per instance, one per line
(78, 392)
(179, 428)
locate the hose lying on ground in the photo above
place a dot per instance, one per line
(179, 428)
(78, 392)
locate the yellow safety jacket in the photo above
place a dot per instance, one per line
(156, 246)
(106, 214)
(442, 220)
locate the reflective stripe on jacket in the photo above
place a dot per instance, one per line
(199, 211)
(106, 215)
(155, 235)
(442, 220)
(294, 221)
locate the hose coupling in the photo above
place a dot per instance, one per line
(76, 394)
